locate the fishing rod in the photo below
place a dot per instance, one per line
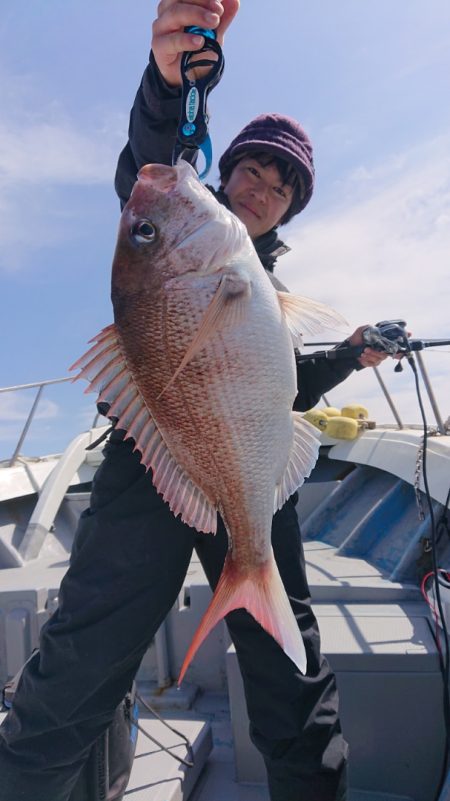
(388, 336)
(192, 133)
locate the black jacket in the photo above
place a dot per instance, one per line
(152, 132)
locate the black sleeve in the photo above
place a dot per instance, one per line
(152, 130)
(316, 377)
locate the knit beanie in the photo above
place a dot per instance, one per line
(283, 137)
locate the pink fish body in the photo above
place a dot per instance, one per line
(199, 370)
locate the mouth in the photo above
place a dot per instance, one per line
(250, 209)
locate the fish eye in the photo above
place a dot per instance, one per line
(144, 232)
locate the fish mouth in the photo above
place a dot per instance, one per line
(162, 176)
(192, 235)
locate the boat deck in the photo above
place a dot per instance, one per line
(363, 541)
(157, 776)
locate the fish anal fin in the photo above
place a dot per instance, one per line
(226, 308)
(105, 367)
(303, 457)
(306, 316)
(261, 592)
(184, 497)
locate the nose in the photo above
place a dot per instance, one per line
(259, 189)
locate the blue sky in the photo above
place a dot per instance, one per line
(370, 82)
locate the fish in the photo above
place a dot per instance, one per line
(198, 369)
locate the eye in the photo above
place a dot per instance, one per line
(253, 171)
(280, 192)
(144, 232)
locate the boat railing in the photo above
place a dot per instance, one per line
(442, 427)
(39, 386)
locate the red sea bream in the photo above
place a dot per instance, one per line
(198, 368)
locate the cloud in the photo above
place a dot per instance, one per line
(85, 417)
(44, 155)
(56, 152)
(15, 408)
(41, 142)
(381, 249)
(54, 424)
(39, 168)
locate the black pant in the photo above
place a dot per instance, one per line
(128, 563)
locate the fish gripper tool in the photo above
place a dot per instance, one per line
(192, 133)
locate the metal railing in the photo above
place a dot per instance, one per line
(442, 427)
(37, 398)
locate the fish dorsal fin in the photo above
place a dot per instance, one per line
(105, 367)
(304, 453)
(304, 315)
(226, 308)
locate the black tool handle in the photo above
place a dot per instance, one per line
(193, 125)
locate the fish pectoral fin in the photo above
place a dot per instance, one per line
(304, 315)
(105, 366)
(303, 457)
(261, 592)
(227, 308)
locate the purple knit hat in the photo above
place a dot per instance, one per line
(284, 137)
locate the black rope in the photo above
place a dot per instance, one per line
(444, 660)
(188, 764)
(443, 524)
(101, 438)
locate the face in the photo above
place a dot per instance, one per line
(257, 195)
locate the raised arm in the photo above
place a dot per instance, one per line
(156, 110)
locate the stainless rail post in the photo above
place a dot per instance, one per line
(26, 427)
(388, 397)
(40, 385)
(430, 393)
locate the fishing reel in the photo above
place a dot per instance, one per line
(389, 336)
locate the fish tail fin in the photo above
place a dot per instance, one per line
(260, 592)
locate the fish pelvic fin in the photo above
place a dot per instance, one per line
(226, 308)
(105, 367)
(303, 457)
(261, 592)
(306, 316)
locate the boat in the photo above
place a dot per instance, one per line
(367, 513)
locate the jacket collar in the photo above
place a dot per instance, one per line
(269, 247)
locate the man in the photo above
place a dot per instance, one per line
(130, 554)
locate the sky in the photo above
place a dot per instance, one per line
(370, 82)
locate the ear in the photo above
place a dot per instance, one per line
(224, 178)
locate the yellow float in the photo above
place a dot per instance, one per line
(346, 423)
